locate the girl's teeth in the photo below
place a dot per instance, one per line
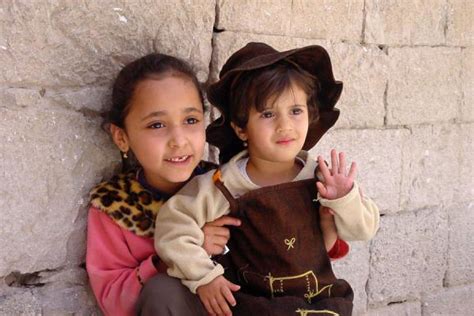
(179, 159)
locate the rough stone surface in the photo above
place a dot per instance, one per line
(328, 19)
(370, 149)
(464, 188)
(408, 256)
(424, 85)
(69, 52)
(428, 153)
(355, 269)
(461, 249)
(467, 77)
(397, 309)
(362, 69)
(460, 29)
(61, 167)
(449, 301)
(400, 22)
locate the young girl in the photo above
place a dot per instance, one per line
(273, 105)
(156, 120)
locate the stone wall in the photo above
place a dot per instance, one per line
(407, 116)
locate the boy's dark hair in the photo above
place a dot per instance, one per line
(152, 66)
(257, 88)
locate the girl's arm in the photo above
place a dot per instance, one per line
(115, 275)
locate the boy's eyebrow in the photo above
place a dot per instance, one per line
(187, 110)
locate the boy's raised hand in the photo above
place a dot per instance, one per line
(217, 295)
(337, 182)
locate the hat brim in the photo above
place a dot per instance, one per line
(315, 60)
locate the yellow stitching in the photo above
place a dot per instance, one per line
(307, 275)
(304, 312)
(290, 243)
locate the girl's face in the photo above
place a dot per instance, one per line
(165, 130)
(278, 133)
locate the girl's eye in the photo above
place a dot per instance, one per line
(156, 125)
(267, 114)
(192, 120)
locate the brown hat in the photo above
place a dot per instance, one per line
(313, 59)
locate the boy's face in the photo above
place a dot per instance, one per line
(278, 133)
(165, 130)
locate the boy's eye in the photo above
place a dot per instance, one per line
(296, 111)
(267, 114)
(156, 125)
(192, 120)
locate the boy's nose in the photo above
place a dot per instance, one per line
(283, 124)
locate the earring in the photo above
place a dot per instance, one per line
(244, 143)
(124, 155)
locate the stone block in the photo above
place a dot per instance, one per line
(464, 188)
(19, 302)
(355, 269)
(408, 256)
(467, 82)
(52, 43)
(461, 247)
(460, 29)
(397, 309)
(326, 19)
(378, 154)
(50, 158)
(362, 70)
(400, 22)
(449, 301)
(430, 166)
(424, 85)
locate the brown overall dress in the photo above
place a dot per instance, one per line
(278, 256)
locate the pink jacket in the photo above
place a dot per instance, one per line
(116, 261)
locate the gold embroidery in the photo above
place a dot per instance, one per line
(290, 243)
(308, 276)
(304, 312)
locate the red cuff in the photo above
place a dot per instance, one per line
(339, 250)
(146, 270)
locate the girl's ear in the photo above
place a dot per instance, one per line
(240, 132)
(120, 138)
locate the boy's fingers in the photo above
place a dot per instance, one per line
(322, 190)
(221, 300)
(334, 162)
(208, 307)
(324, 168)
(353, 171)
(218, 231)
(342, 163)
(215, 306)
(228, 296)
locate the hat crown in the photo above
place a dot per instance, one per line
(249, 52)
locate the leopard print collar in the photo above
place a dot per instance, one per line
(128, 203)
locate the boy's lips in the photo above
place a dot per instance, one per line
(284, 141)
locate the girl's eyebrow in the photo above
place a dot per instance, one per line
(187, 110)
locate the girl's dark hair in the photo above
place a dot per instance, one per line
(257, 88)
(152, 66)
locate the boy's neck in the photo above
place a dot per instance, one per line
(266, 173)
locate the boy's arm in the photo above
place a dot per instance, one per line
(178, 234)
(356, 217)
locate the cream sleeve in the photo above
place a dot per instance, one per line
(178, 234)
(356, 217)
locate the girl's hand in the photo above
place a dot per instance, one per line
(216, 234)
(337, 182)
(217, 295)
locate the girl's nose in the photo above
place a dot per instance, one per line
(177, 138)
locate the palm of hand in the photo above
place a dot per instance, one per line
(337, 183)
